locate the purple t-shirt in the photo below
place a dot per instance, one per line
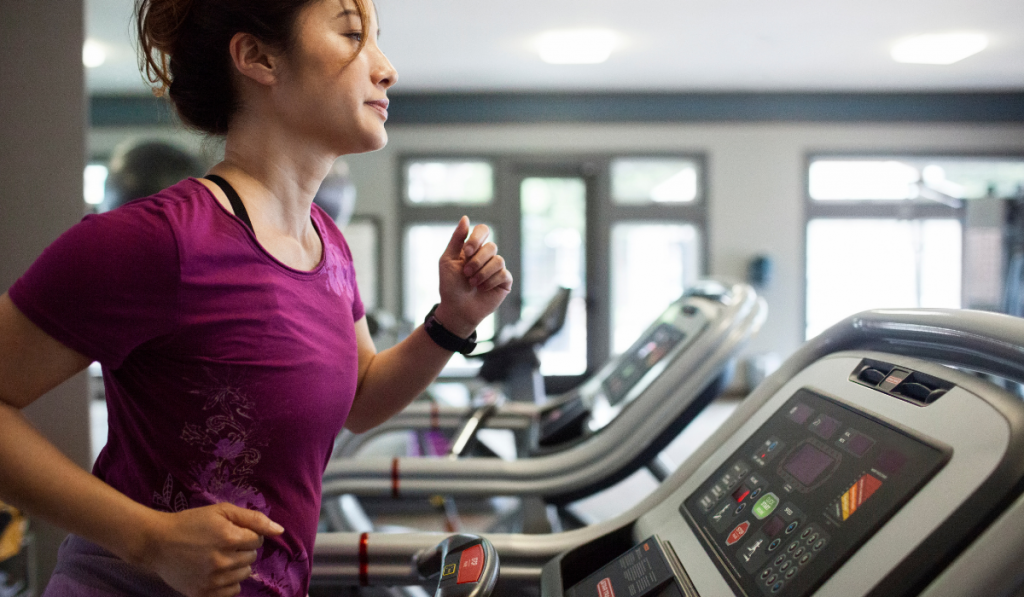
(228, 374)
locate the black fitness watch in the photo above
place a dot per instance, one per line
(444, 338)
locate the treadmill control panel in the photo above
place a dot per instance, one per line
(642, 357)
(598, 401)
(643, 571)
(803, 493)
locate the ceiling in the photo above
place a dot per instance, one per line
(669, 45)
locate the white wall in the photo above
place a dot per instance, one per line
(756, 178)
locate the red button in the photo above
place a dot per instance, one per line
(471, 564)
(738, 532)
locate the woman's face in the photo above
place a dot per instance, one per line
(327, 91)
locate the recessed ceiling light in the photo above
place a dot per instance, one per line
(939, 48)
(93, 53)
(576, 46)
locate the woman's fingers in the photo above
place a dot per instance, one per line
(486, 270)
(242, 559)
(252, 520)
(232, 577)
(492, 268)
(479, 259)
(209, 551)
(476, 239)
(501, 279)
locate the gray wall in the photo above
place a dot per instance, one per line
(42, 149)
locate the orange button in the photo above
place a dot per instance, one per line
(471, 564)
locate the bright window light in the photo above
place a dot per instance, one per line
(867, 179)
(95, 183)
(577, 46)
(859, 264)
(939, 48)
(93, 53)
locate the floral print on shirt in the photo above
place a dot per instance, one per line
(230, 437)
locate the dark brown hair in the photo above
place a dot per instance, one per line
(183, 49)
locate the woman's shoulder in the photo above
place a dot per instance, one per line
(183, 210)
(189, 195)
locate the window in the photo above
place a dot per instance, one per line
(459, 182)
(362, 234)
(95, 183)
(625, 233)
(553, 256)
(653, 180)
(643, 286)
(892, 232)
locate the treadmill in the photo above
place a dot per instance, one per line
(584, 441)
(877, 461)
(512, 368)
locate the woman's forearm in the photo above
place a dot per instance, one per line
(394, 378)
(37, 478)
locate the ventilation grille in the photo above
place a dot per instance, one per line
(900, 382)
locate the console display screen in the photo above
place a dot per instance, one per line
(804, 492)
(643, 355)
(807, 463)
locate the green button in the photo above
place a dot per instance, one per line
(765, 506)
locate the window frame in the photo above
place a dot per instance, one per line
(378, 254)
(874, 209)
(602, 213)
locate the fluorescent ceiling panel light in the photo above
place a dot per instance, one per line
(576, 46)
(93, 53)
(939, 48)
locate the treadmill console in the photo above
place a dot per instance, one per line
(641, 358)
(803, 493)
(598, 401)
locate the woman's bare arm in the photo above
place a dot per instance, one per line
(205, 551)
(474, 282)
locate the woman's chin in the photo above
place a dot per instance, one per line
(368, 144)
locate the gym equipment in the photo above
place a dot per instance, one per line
(873, 462)
(512, 369)
(462, 565)
(337, 194)
(582, 442)
(145, 168)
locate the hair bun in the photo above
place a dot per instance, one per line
(160, 23)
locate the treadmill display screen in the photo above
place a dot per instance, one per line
(803, 493)
(807, 463)
(644, 355)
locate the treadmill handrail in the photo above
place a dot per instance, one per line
(514, 416)
(569, 470)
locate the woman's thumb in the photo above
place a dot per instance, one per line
(252, 520)
(454, 248)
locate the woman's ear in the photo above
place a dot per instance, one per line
(254, 59)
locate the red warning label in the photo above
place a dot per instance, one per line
(604, 588)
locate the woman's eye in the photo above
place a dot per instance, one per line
(356, 36)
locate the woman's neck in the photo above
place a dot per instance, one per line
(277, 177)
(276, 174)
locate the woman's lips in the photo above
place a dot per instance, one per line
(381, 106)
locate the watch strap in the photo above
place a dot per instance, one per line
(444, 338)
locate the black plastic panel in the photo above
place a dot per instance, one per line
(803, 493)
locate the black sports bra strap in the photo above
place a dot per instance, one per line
(236, 201)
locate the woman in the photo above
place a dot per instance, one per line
(225, 314)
